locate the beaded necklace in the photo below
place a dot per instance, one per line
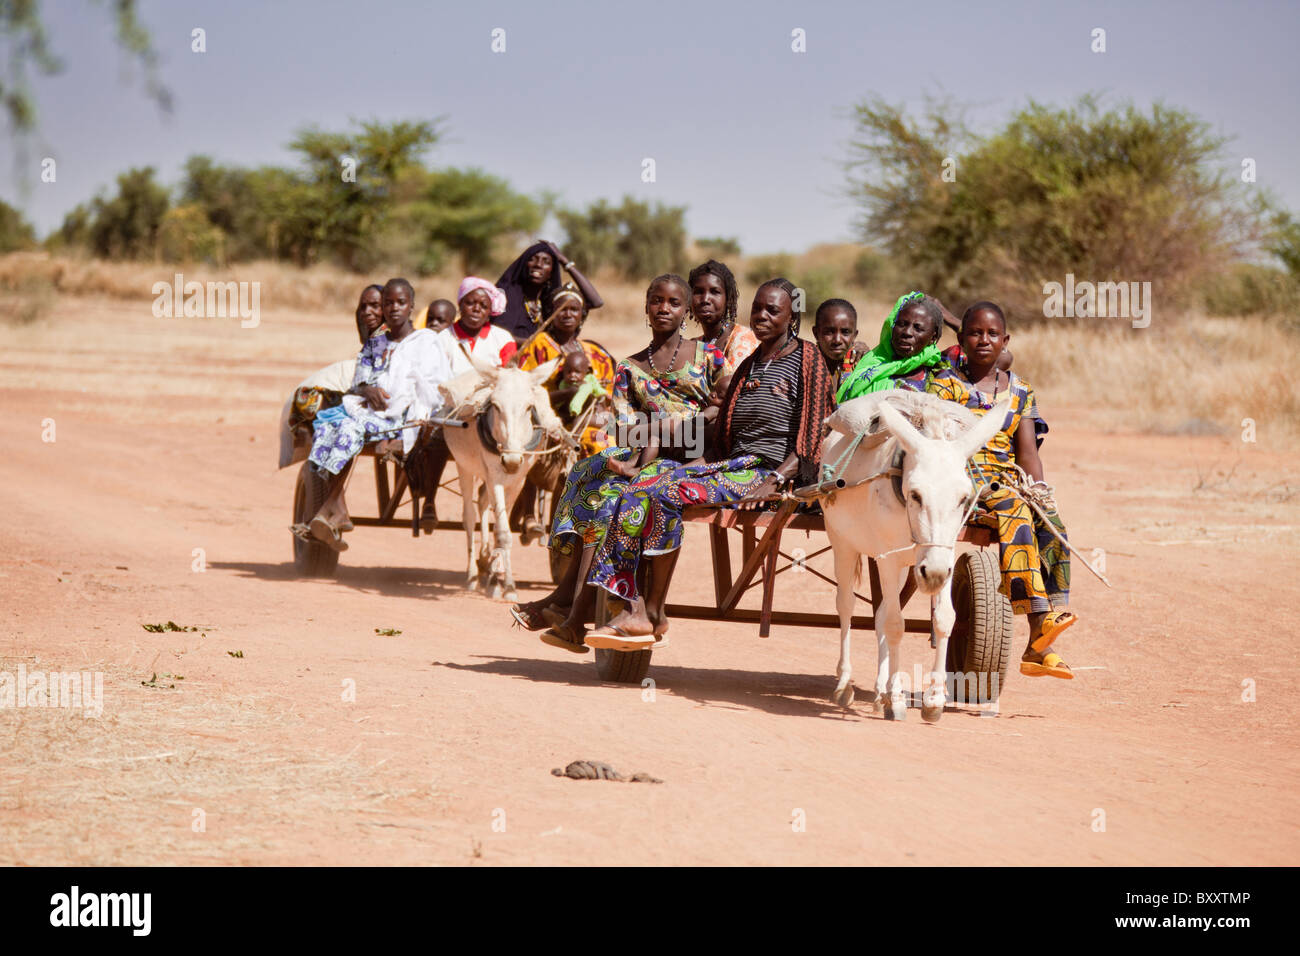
(650, 356)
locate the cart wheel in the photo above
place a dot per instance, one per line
(311, 558)
(619, 667)
(980, 643)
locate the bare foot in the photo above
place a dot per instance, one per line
(633, 622)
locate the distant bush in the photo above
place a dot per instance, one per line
(1250, 289)
(126, 226)
(466, 211)
(719, 247)
(869, 269)
(186, 235)
(1118, 194)
(762, 268)
(637, 239)
(818, 285)
(15, 232)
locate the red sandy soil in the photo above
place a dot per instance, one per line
(459, 719)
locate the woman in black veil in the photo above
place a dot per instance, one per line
(530, 279)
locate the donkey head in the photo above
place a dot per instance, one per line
(518, 410)
(936, 488)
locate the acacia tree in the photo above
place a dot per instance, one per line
(1115, 194)
(468, 210)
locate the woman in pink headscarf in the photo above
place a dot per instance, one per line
(473, 333)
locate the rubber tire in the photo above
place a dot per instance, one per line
(618, 667)
(311, 559)
(980, 642)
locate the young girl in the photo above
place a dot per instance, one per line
(714, 303)
(1035, 565)
(836, 330)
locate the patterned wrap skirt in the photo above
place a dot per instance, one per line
(647, 517)
(338, 436)
(587, 503)
(1035, 566)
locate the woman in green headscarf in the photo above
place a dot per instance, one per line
(909, 341)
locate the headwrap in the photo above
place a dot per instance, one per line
(876, 371)
(566, 291)
(495, 296)
(515, 318)
(815, 406)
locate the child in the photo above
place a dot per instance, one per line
(579, 388)
(435, 316)
(836, 330)
(1035, 565)
(441, 314)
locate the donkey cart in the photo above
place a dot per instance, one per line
(979, 646)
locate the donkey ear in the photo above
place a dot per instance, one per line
(898, 425)
(977, 436)
(544, 371)
(486, 370)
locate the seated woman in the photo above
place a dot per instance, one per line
(907, 355)
(370, 312)
(1035, 565)
(667, 380)
(395, 382)
(769, 433)
(559, 337)
(473, 333)
(715, 302)
(530, 279)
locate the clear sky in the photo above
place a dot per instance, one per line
(746, 133)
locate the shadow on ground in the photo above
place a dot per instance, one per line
(795, 695)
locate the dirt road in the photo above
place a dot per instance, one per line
(164, 444)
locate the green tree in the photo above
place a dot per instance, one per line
(351, 176)
(126, 226)
(468, 210)
(636, 238)
(1285, 243)
(1106, 194)
(15, 231)
(719, 247)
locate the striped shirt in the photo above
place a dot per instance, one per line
(765, 421)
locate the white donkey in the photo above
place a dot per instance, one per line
(509, 412)
(921, 530)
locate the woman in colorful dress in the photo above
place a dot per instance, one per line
(669, 380)
(769, 435)
(1035, 565)
(395, 383)
(565, 313)
(715, 302)
(530, 279)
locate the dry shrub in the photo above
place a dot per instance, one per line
(1177, 375)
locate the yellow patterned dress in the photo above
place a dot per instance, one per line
(1035, 566)
(543, 349)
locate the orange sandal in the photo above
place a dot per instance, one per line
(1053, 625)
(1050, 666)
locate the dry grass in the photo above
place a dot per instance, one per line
(1187, 374)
